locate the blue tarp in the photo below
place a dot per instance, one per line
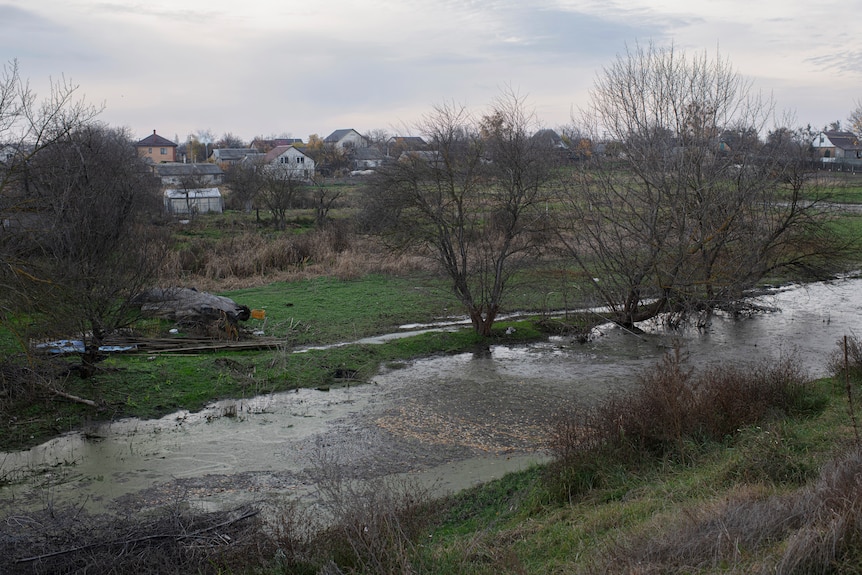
(63, 346)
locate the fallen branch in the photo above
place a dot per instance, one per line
(131, 542)
(71, 397)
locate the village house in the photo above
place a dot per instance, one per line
(347, 138)
(227, 156)
(290, 160)
(157, 149)
(837, 144)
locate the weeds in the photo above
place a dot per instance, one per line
(670, 414)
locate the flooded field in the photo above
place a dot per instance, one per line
(450, 421)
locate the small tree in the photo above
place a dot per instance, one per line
(246, 179)
(471, 202)
(323, 198)
(282, 187)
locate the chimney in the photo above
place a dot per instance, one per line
(154, 132)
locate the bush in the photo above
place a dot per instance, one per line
(853, 366)
(669, 414)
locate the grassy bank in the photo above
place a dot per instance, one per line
(778, 493)
(307, 312)
(733, 507)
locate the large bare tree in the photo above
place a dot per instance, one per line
(28, 125)
(472, 202)
(692, 209)
(95, 238)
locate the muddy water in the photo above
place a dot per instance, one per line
(450, 421)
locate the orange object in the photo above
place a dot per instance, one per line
(258, 314)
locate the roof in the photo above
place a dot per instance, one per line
(408, 140)
(179, 169)
(278, 151)
(233, 154)
(549, 137)
(843, 140)
(370, 153)
(155, 141)
(338, 135)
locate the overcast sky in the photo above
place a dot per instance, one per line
(300, 67)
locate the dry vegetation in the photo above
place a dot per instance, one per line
(243, 258)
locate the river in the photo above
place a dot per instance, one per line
(449, 421)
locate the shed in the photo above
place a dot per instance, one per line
(197, 201)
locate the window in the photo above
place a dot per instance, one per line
(149, 150)
(164, 151)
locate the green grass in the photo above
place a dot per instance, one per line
(326, 310)
(320, 311)
(507, 526)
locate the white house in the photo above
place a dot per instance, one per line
(292, 160)
(348, 138)
(198, 201)
(837, 144)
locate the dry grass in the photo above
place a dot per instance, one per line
(668, 415)
(813, 530)
(251, 259)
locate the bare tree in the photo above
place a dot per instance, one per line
(28, 126)
(323, 197)
(96, 245)
(230, 140)
(693, 210)
(854, 121)
(246, 179)
(282, 188)
(470, 202)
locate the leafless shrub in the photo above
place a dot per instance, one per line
(670, 410)
(373, 525)
(838, 368)
(296, 529)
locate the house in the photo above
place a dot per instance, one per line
(550, 139)
(348, 138)
(837, 144)
(175, 174)
(226, 156)
(395, 145)
(367, 158)
(291, 160)
(263, 145)
(157, 149)
(195, 201)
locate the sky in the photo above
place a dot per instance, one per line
(292, 68)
